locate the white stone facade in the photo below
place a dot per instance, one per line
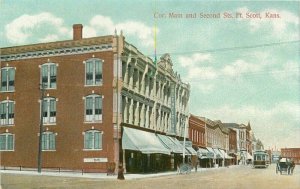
(147, 93)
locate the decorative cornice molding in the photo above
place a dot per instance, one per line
(57, 52)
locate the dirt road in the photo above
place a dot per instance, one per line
(239, 177)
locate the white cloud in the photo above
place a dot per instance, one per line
(104, 25)
(197, 58)
(240, 67)
(51, 37)
(289, 72)
(46, 27)
(196, 72)
(288, 23)
(201, 73)
(26, 26)
(278, 125)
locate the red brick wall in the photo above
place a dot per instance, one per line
(197, 129)
(232, 140)
(70, 113)
(293, 153)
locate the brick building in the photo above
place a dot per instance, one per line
(244, 141)
(97, 90)
(232, 145)
(293, 153)
(217, 141)
(197, 132)
(198, 139)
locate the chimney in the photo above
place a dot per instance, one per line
(77, 31)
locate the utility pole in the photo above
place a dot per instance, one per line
(184, 141)
(42, 90)
(117, 142)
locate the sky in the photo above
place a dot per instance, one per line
(241, 58)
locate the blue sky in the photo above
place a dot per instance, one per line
(258, 84)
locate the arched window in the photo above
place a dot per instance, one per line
(6, 142)
(7, 112)
(49, 110)
(7, 79)
(48, 75)
(93, 72)
(93, 108)
(93, 140)
(48, 141)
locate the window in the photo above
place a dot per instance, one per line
(48, 141)
(49, 110)
(48, 75)
(93, 108)
(7, 112)
(6, 142)
(7, 79)
(93, 72)
(93, 140)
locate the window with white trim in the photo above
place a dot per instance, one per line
(48, 75)
(6, 142)
(48, 141)
(93, 140)
(7, 79)
(93, 72)
(7, 112)
(93, 108)
(49, 110)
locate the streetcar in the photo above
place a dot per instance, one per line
(261, 159)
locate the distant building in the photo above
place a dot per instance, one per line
(197, 132)
(232, 145)
(259, 145)
(293, 153)
(275, 156)
(244, 144)
(217, 141)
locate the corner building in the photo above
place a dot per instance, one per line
(93, 89)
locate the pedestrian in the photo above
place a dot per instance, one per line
(292, 166)
(121, 172)
(196, 166)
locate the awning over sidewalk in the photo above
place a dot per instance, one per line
(145, 142)
(225, 155)
(218, 153)
(178, 143)
(211, 153)
(191, 150)
(170, 143)
(202, 153)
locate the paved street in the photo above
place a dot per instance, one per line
(241, 177)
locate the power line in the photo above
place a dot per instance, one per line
(226, 49)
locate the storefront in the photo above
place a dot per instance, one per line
(204, 157)
(226, 158)
(219, 157)
(212, 157)
(146, 152)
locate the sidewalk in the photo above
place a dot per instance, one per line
(104, 175)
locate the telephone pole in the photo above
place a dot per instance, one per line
(42, 90)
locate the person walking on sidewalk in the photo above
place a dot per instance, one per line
(121, 172)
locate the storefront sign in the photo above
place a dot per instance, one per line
(95, 160)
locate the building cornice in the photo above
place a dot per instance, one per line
(57, 48)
